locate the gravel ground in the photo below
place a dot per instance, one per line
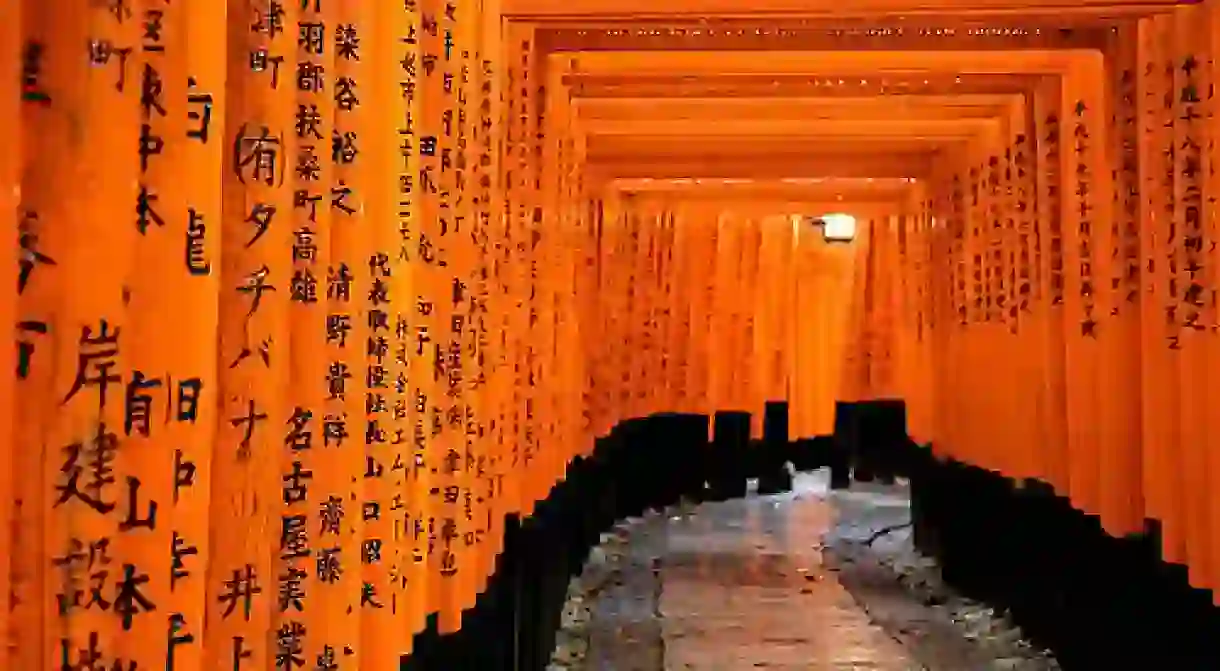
(813, 579)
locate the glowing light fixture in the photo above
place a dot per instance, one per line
(838, 227)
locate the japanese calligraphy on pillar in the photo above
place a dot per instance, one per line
(1050, 169)
(169, 398)
(95, 506)
(1125, 281)
(957, 229)
(1029, 255)
(447, 351)
(256, 287)
(344, 513)
(1081, 146)
(1173, 189)
(42, 257)
(426, 271)
(486, 291)
(975, 227)
(995, 302)
(1189, 177)
(310, 547)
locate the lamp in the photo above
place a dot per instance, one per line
(836, 227)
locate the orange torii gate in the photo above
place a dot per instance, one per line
(319, 304)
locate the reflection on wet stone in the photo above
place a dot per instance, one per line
(810, 580)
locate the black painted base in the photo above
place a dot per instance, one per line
(645, 463)
(1095, 600)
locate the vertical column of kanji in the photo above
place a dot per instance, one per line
(679, 290)
(885, 279)
(381, 276)
(91, 593)
(351, 97)
(707, 243)
(651, 233)
(313, 379)
(461, 363)
(495, 118)
(1211, 253)
(532, 256)
(430, 291)
(1095, 208)
(608, 281)
(1193, 279)
(604, 375)
(255, 284)
(805, 337)
(760, 303)
(625, 304)
(484, 156)
(785, 284)
(170, 397)
(786, 352)
(1158, 370)
(978, 444)
(960, 227)
(643, 297)
(1049, 218)
(993, 322)
(942, 282)
(927, 322)
(631, 302)
(955, 327)
(11, 35)
(398, 508)
(899, 300)
(590, 312)
(1176, 528)
(662, 400)
(745, 372)
(719, 312)
(582, 198)
(852, 378)
(567, 312)
(866, 318)
(1027, 287)
(1015, 400)
(672, 322)
(728, 239)
(919, 369)
(1120, 376)
(552, 133)
(512, 264)
(975, 294)
(628, 356)
(49, 62)
(1087, 198)
(938, 278)
(660, 396)
(832, 292)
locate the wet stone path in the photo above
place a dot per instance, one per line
(811, 580)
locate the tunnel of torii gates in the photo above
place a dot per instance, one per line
(310, 295)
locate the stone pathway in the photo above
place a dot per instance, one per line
(796, 581)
